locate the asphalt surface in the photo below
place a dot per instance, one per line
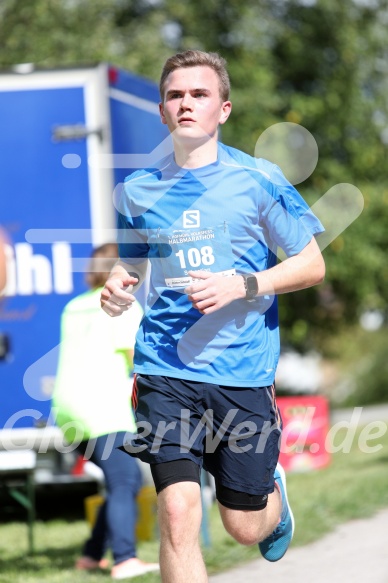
(356, 552)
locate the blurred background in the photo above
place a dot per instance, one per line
(322, 64)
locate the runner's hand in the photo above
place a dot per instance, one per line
(116, 297)
(212, 291)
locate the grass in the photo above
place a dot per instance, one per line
(354, 485)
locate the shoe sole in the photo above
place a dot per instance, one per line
(284, 482)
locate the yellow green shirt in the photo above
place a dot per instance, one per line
(93, 386)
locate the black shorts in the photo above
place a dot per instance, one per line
(233, 432)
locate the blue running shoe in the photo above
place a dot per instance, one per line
(274, 547)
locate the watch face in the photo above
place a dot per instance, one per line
(251, 286)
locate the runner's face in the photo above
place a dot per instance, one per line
(192, 107)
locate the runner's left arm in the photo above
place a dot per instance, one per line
(211, 291)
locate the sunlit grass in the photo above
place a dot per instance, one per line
(354, 485)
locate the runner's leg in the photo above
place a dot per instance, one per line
(180, 514)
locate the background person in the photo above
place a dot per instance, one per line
(210, 219)
(92, 405)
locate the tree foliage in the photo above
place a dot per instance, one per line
(318, 63)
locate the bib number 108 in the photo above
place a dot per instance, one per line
(195, 257)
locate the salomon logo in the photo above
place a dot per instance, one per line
(191, 219)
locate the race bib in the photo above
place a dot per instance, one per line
(205, 249)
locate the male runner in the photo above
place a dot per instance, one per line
(210, 219)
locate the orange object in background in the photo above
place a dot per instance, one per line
(305, 427)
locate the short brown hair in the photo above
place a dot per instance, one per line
(194, 58)
(102, 260)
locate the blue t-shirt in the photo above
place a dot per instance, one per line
(230, 217)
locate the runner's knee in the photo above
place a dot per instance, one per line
(246, 528)
(179, 507)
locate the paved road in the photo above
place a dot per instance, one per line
(356, 552)
(360, 415)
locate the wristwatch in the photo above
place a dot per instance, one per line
(134, 274)
(251, 286)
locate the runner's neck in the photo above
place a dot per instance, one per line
(202, 155)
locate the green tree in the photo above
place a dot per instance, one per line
(319, 63)
(331, 78)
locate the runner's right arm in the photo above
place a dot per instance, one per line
(116, 296)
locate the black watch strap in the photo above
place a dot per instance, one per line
(134, 274)
(251, 286)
